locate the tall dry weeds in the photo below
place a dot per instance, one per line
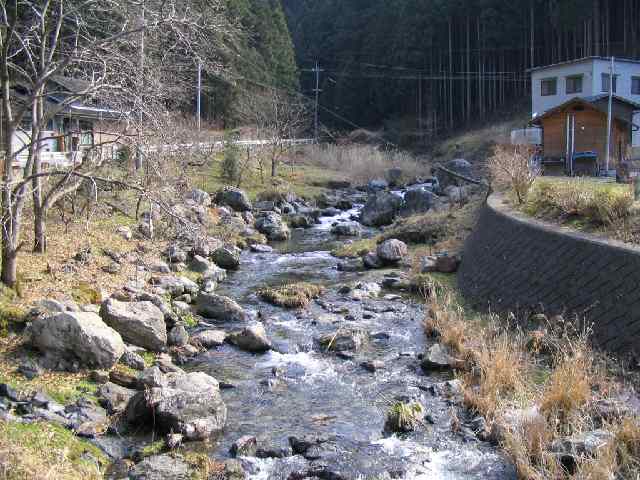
(361, 163)
(510, 168)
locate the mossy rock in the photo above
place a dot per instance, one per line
(404, 417)
(297, 295)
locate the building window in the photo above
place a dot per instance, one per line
(574, 84)
(548, 87)
(635, 85)
(605, 82)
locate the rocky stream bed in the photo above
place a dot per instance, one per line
(275, 393)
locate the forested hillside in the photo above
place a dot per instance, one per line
(263, 55)
(432, 65)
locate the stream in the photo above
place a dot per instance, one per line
(299, 390)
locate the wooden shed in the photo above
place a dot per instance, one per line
(577, 129)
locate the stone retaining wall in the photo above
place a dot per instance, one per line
(514, 263)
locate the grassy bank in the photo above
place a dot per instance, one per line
(536, 387)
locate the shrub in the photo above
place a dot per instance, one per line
(510, 169)
(231, 159)
(403, 417)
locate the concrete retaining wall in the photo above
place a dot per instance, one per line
(514, 263)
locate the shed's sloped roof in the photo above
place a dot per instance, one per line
(591, 102)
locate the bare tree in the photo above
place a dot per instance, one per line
(277, 117)
(511, 168)
(99, 44)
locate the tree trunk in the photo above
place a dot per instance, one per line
(39, 229)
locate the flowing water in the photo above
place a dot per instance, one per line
(298, 389)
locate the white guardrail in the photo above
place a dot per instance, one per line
(219, 145)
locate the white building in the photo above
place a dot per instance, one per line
(554, 85)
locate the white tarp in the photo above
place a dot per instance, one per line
(527, 136)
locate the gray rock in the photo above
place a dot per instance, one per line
(200, 197)
(208, 338)
(175, 254)
(178, 336)
(124, 232)
(248, 218)
(258, 248)
(271, 225)
(391, 251)
(219, 307)
(372, 365)
(227, 257)
(186, 403)
(76, 336)
(161, 467)
(380, 209)
(252, 339)
(300, 221)
(344, 339)
(159, 267)
(139, 323)
(114, 398)
(212, 277)
(245, 446)
(459, 166)
(234, 198)
(132, 360)
(371, 260)
(587, 443)
(182, 307)
(266, 206)
(419, 200)
(347, 229)
(200, 264)
(377, 185)
(438, 357)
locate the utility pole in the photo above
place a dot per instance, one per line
(609, 113)
(317, 91)
(199, 97)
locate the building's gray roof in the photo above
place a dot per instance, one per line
(584, 59)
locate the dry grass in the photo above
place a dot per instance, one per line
(569, 387)
(355, 249)
(532, 399)
(499, 377)
(42, 451)
(445, 320)
(442, 231)
(581, 201)
(361, 163)
(297, 295)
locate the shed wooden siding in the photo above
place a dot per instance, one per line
(590, 134)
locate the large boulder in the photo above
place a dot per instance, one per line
(377, 185)
(208, 338)
(185, 403)
(457, 165)
(227, 257)
(161, 467)
(346, 229)
(391, 251)
(219, 307)
(234, 198)
(76, 336)
(418, 200)
(252, 339)
(271, 225)
(380, 209)
(438, 357)
(139, 323)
